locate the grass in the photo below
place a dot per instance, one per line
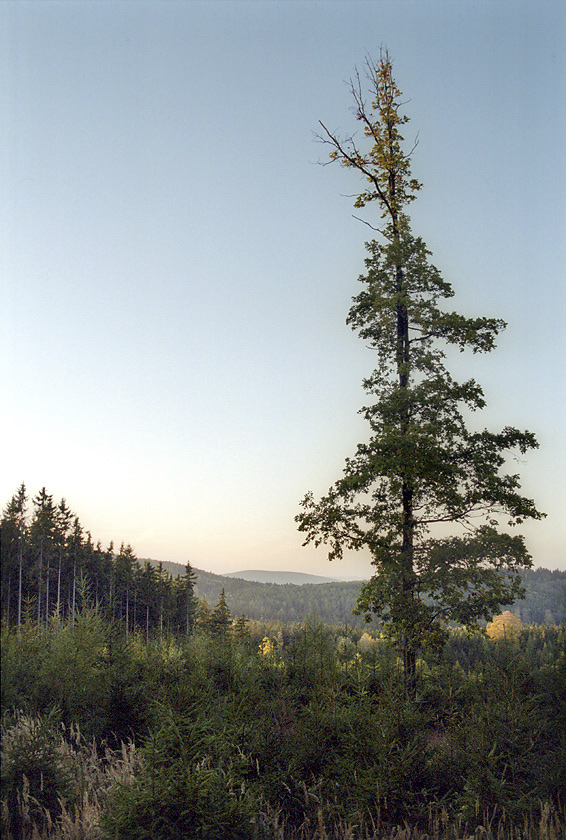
(547, 823)
(87, 773)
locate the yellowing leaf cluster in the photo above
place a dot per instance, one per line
(504, 626)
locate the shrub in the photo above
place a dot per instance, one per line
(189, 786)
(36, 772)
(54, 783)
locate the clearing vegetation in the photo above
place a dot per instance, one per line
(273, 731)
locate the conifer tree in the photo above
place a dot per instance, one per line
(12, 549)
(421, 465)
(64, 516)
(241, 628)
(190, 599)
(75, 548)
(124, 570)
(148, 594)
(203, 616)
(43, 531)
(164, 595)
(221, 618)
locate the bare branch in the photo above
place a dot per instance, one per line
(378, 230)
(415, 144)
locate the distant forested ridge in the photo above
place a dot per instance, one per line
(332, 603)
(51, 565)
(269, 576)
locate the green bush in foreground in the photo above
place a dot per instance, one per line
(36, 772)
(186, 788)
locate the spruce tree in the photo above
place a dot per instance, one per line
(124, 571)
(75, 543)
(191, 602)
(13, 535)
(64, 519)
(221, 618)
(43, 534)
(421, 466)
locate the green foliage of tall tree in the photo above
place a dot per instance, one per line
(188, 600)
(148, 586)
(422, 465)
(124, 572)
(64, 519)
(74, 559)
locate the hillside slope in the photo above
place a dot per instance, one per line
(266, 576)
(333, 602)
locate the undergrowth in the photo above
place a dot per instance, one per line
(309, 737)
(55, 784)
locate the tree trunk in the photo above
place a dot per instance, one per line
(9, 604)
(48, 574)
(74, 590)
(20, 592)
(59, 588)
(409, 668)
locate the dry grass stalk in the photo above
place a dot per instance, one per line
(94, 771)
(548, 824)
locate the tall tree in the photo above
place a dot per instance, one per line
(221, 618)
(164, 595)
(189, 599)
(148, 594)
(124, 569)
(203, 621)
(64, 516)
(75, 543)
(43, 537)
(12, 545)
(422, 465)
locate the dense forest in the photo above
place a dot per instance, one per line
(51, 566)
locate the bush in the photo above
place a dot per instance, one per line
(36, 772)
(189, 787)
(55, 784)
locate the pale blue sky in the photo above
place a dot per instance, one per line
(177, 269)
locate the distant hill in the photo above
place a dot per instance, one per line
(330, 602)
(264, 576)
(333, 602)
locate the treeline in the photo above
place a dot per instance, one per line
(331, 603)
(545, 599)
(51, 567)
